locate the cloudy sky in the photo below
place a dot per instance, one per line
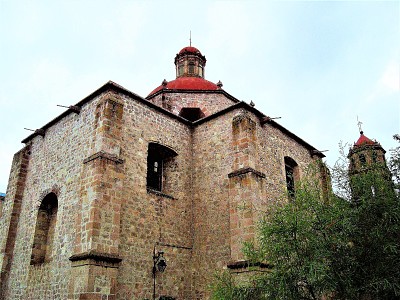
(317, 64)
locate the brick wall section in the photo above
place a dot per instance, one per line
(245, 184)
(213, 156)
(226, 172)
(55, 166)
(226, 206)
(209, 103)
(9, 223)
(151, 220)
(97, 239)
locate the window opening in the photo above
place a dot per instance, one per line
(374, 156)
(2, 197)
(180, 69)
(201, 71)
(362, 159)
(291, 172)
(191, 113)
(157, 159)
(45, 230)
(191, 68)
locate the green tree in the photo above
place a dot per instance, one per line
(323, 246)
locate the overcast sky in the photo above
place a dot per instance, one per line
(316, 64)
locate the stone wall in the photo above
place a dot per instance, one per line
(209, 103)
(150, 220)
(109, 224)
(238, 171)
(10, 218)
(54, 166)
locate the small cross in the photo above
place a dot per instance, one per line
(359, 123)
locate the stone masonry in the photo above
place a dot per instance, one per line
(82, 217)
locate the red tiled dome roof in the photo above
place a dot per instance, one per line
(190, 49)
(188, 83)
(363, 140)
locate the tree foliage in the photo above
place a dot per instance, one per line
(328, 247)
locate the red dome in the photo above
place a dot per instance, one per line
(363, 140)
(190, 49)
(188, 83)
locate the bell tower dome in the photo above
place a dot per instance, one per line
(368, 173)
(364, 154)
(189, 62)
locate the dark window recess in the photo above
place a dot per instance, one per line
(166, 298)
(44, 231)
(291, 170)
(181, 69)
(374, 156)
(191, 113)
(191, 68)
(154, 172)
(362, 159)
(157, 157)
(289, 180)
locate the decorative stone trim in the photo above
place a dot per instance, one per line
(243, 171)
(158, 193)
(105, 155)
(242, 264)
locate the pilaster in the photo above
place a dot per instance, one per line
(12, 211)
(95, 258)
(245, 184)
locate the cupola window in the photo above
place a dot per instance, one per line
(181, 69)
(201, 71)
(191, 68)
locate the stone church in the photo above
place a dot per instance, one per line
(124, 197)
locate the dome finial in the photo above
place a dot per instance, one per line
(190, 38)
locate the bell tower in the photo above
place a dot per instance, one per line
(368, 171)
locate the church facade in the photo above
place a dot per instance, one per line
(124, 197)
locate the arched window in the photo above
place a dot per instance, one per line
(159, 161)
(374, 157)
(181, 69)
(191, 68)
(362, 159)
(191, 113)
(201, 71)
(292, 174)
(44, 230)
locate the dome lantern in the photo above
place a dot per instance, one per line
(189, 62)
